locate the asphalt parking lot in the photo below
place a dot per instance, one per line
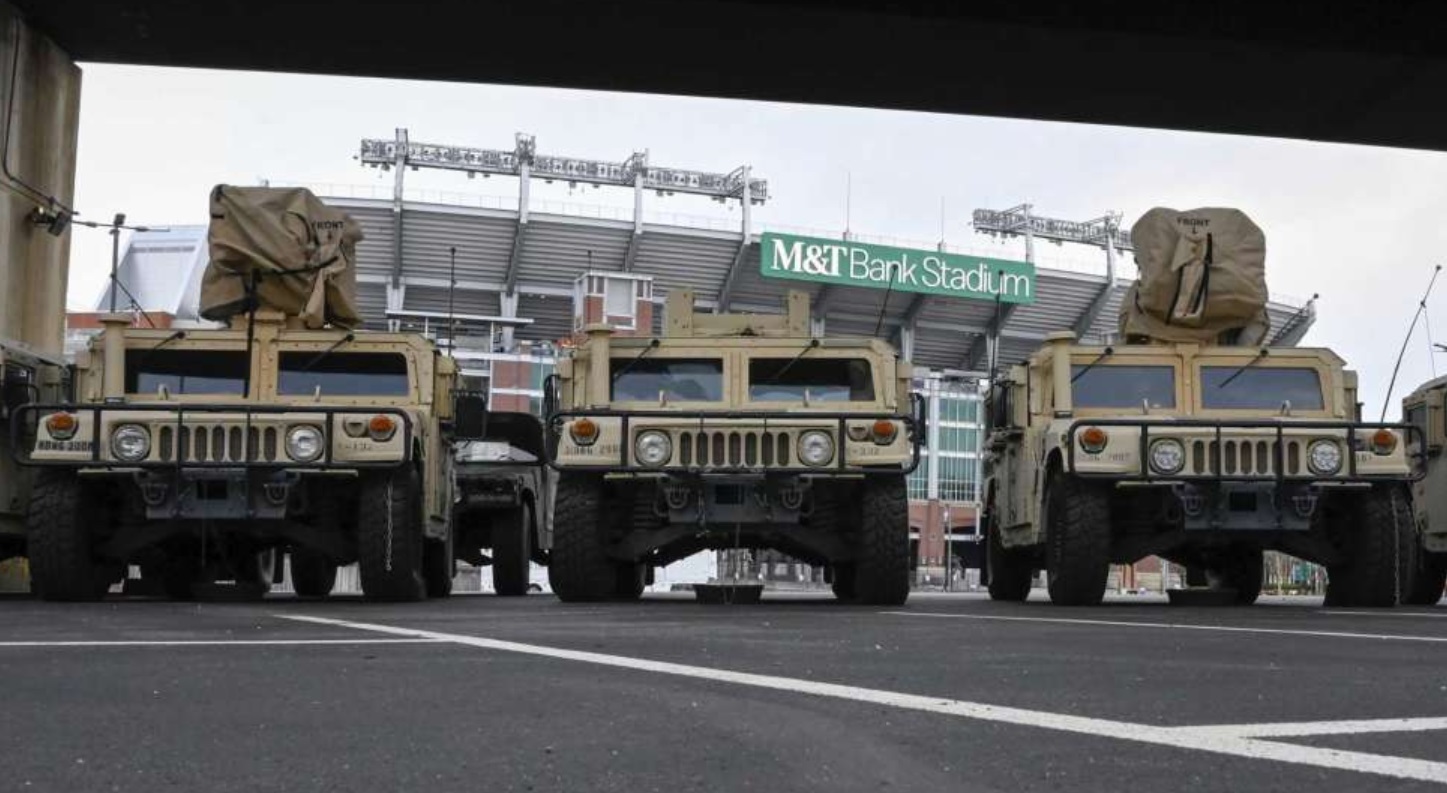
(948, 693)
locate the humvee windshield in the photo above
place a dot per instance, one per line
(1117, 386)
(1259, 388)
(684, 379)
(343, 374)
(826, 379)
(186, 371)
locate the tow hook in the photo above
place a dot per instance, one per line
(277, 492)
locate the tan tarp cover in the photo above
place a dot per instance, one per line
(1202, 278)
(300, 252)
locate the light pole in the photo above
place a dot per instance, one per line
(947, 548)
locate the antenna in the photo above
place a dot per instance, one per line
(994, 362)
(1421, 307)
(884, 304)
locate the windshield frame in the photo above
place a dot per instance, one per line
(138, 347)
(622, 356)
(815, 354)
(1122, 359)
(417, 391)
(1198, 374)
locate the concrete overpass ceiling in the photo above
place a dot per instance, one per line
(1350, 71)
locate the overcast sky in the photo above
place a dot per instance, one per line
(1361, 226)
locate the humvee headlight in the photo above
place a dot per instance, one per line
(816, 448)
(653, 448)
(1324, 457)
(1093, 440)
(304, 443)
(1384, 442)
(584, 432)
(1167, 456)
(61, 426)
(130, 443)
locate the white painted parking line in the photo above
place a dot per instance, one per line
(1302, 729)
(1206, 739)
(1392, 613)
(1180, 626)
(213, 642)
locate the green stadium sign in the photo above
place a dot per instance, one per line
(909, 270)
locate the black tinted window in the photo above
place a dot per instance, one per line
(683, 379)
(186, 371)
(826, 379)
(343, 374)
(1111, 386)
(1259, 388)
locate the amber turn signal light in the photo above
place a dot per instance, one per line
(61, 426)
(1093, 440)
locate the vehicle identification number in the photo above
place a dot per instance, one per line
(63, 446)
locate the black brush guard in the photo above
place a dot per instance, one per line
(27, 416)
(1412, 439)
(840, 466)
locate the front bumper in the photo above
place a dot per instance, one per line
(1250, 451)
(236, 437)
(734, 443)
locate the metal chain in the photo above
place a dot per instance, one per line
(1396, 552)
(387, 555)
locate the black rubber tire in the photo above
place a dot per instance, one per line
(881, 568)
(1077, 540)
(843, 583)
(1379, 543)
(579, 568)
(312, 575)
(389, 537)
(1242, 571)
(61, 513)
(512, 551)
(1012, 572)
(629, 582)
(439, 565)
(1428, 579)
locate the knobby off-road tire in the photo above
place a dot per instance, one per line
(843, 583)
(579, 568)
(1077, 540)
(512, 551)
(312, 575)
(1012, 571)
(1379, 547)
(439, 564)
(881, 568)
(630, 581)
(389, 537)
(1240, 571)
(59, 525)
(1428, 579)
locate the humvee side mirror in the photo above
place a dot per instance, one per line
(469, 416)
(550, 395)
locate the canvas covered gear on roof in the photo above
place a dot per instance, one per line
(297, 253)
(1202, 278)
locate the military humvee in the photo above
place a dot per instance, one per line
(731, 431)
(1423, 409)
(186, 457)
(201, 454)
(1206, 453)
(504, 500)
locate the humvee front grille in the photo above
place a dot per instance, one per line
(217, 444)
(1245, 457)
(732, 449)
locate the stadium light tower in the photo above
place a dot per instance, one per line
(524, 162)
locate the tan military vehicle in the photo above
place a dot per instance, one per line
(731, 431)
(1193, 442)
(1423, 409)
(200, 455)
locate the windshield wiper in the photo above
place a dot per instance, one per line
(652, 345)
(1109, 351)
(140, 364)
(1262, 354)
(328, 351)
(779, 375)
